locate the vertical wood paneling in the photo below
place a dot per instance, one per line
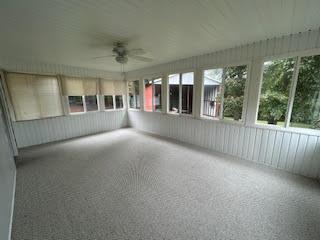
(293, 152)
(36, 132)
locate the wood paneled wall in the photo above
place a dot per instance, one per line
(36, 132)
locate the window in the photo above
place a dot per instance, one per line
(181, 93)
(91, 103)
(152, 95)
(157, 83)
(187, 93)
(223, 92)
(134, 98)
(34, 96)
(119, 101)
(234, 86)
(174, 93)
(212, 83)
(306, 103)
(108, 102)
(76, 104)
(275, 89)
(148, 93)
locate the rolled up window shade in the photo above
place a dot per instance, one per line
(34, 96)
(119, 87)
(76, 86)
(107, 87)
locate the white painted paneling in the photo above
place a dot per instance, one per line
(41, 131)
(7, 181)
(293, 152)
(257, 50)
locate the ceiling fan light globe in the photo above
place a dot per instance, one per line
(121, 59)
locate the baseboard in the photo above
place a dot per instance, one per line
(12, 203)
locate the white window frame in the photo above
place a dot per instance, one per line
(140, 97)
(84, 105)
(115, 103)
(286, 128)
(245, 97)
(180, 93)
(154, 77)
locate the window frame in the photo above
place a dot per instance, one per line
(84, 106)
(181, 72)
(152, 78)
(247, 63)
(128, 98)
(104, 104)
(115, 103)
(287, 128)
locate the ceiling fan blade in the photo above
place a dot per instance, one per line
(104, 56)
(138, 51)
(143, 59)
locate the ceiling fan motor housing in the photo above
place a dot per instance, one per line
(122, 59)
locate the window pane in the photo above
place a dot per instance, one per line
(187, 93)
(275, 90)
(234, 85)
(119, 101)
(91, 103)
(174, 93)
(133, 89)
(212, 92)
(157, 83)
(76, 104)
(306, 105)
(108, 102)
(148, 95)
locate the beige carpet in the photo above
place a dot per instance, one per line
(128, 185)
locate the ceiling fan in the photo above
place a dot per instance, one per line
(121, 53)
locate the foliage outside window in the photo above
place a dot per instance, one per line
(234, 86)
(119, 101)
(227, 104)
(306, 105)
(134, 98)
(274, 96)
(108, 102)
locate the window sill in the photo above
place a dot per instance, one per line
(114, 110)
(232, 122)
(135, 109)
(306, 131)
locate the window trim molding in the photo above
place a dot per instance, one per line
(221, 118)
(194, 71)
(128, 98)
(287, 128)
(152, 78)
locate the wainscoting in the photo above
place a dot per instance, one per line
(36, 132)
(290, 151)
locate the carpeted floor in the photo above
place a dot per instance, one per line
(128, 185)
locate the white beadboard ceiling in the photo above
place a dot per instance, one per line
(73, 32)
